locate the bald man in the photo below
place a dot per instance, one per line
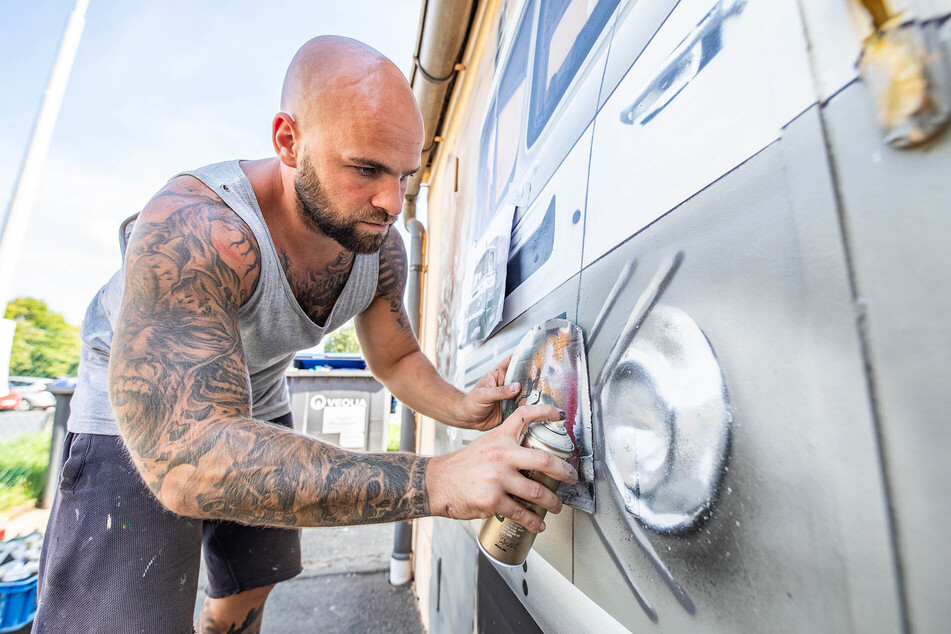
(228, 271)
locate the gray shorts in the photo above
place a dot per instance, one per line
(115, 560)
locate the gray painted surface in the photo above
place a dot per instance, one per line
(452, 599)
(817, 269)
(799, 532)
(897, 214)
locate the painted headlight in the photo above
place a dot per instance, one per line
(666, 421)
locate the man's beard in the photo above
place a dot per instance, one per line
(317, 212)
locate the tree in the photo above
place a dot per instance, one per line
(343, 340)
(44, 344)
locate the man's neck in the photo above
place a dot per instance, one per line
(277, 199)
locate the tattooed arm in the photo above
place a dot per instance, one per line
(393, 355)
(181, 392)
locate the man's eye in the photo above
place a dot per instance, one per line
(366, 171)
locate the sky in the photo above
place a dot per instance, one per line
(157, 87)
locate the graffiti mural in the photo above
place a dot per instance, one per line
(661, 410)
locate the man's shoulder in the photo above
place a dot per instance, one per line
(393, 250)
(190, 220)
(186, 190)
(393, 266)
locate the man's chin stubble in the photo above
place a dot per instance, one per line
(374, 244)
(359, 243)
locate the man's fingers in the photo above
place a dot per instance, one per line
(503, 367)
(529, 459)
(534, 492)
(492, 395)
(502, 392)
(496, 376)
(517, 512)
(518, 422)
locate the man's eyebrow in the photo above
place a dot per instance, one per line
(379, 166)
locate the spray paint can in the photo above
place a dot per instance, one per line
(504, 541)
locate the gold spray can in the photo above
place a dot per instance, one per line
(502, 540)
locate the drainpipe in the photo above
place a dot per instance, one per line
(443, 31)
(401, 570)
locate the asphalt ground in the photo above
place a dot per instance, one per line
(344, 588)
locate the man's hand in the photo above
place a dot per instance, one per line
(480, 480)
(482, 407)
(393, 356)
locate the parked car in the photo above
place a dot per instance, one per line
(13, 401)
(33, 391)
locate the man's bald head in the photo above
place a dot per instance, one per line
(331, 76)
(348, 140)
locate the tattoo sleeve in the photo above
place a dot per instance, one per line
(392, 279)
(181, 392)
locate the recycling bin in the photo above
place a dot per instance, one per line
(346, 408)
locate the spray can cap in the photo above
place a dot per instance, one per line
(552, 434)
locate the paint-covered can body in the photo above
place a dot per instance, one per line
(504, 541)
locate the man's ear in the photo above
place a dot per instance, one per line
(285, 135)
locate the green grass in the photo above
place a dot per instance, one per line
(23, 462)
(392, 437)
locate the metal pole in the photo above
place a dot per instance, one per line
(8, 328)
(13, 225)
(63, 397)
(24, 192)
(400, 566)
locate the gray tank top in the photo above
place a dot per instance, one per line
(273, 325)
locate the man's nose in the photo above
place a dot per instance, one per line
(390, 196)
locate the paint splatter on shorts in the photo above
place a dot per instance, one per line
(115, 560)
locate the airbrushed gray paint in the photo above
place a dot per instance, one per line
(666, 421)
(799, 533)
(686, 62)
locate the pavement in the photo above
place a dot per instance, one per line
(344, 588)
